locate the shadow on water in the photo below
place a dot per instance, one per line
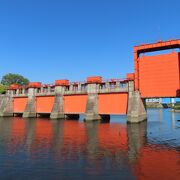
(43, 115)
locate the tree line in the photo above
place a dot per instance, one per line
(11, 78)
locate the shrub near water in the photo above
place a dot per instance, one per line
(3, 89)
(176, 106)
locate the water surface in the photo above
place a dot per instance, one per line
(66, 149)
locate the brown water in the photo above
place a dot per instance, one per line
(64, 149)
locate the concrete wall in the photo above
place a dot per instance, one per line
(96, 102)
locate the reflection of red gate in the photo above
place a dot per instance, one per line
(113, 137)
(18, 130)
(157, 164)
(74, 135)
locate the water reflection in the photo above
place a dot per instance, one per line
(92, 144)
(173, 120)
(137, 139)
(30, 129)
(32, 148)
(58, 138)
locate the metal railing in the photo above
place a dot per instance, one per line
(106, 86)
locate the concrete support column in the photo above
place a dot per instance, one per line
(91, 112)
(8, 92)
(23, 91)
(42, 89)
(71, 87)
(6, 104)
(30, 109)
(118, 84)
(58, 107)
(107, 85)
(35, 91)
(49, 89)
(17, 91)
(136, 106)
(79, 86)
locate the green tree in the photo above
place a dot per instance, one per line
(10, 78)
(3, 89)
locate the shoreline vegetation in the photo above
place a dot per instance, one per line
(158, 105)
(175, 108)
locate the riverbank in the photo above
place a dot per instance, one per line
(175, 110)
(157, 105)
(176, 107)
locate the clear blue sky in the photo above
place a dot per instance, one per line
(46, 40)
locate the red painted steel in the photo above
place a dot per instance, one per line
(44, 104)
(14, 87)
(113, 103)
(19, 104)
(34, 85)
(94, 79)
(130, 76)
(160, 45)
(75, 104)
(62, 82)
(155, 76)
(159, 75)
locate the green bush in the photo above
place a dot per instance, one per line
(3, 89)
(176, 107)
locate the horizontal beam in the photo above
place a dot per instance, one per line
(158, 46)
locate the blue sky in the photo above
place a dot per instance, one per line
(46, 40)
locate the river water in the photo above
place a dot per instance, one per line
(66, 149)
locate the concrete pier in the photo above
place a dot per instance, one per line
(91, 112)
(58, 107)
(136, 106)
(30, 109)
(6, 105)
(96, 99)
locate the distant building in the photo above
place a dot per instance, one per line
(158, 100)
